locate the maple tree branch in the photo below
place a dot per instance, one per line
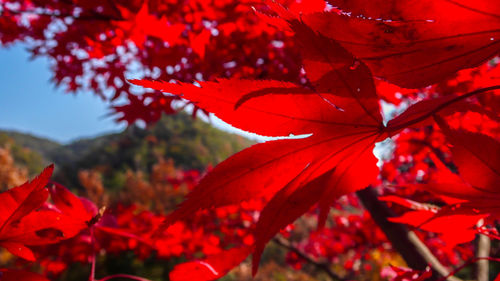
(406, 242)
(467, 264)
(319, 265)
(482, 251)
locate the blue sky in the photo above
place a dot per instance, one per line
(30, 102)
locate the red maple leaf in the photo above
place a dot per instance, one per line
(143, 24)
(100, 224)
(81, 210)
(296, 173)
(340, 111)
(23, 223)
(396, 38)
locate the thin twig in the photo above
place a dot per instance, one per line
(467, 264)
(93, 256)
(319, 265)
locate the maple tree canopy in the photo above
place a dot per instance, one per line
(318, 71)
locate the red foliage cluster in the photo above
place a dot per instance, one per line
(98, 47)
(72, 229)
(352, 235)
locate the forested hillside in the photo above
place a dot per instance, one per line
(191, 144)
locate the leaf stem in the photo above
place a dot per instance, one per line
(439, 108)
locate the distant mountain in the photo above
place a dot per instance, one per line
(191, 144)
(51, 151)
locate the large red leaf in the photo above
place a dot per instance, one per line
(343, 136)
(253, 172)
(339, 108)
(275, 108)
(414, 43)
(344, 123)
(336, 121)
